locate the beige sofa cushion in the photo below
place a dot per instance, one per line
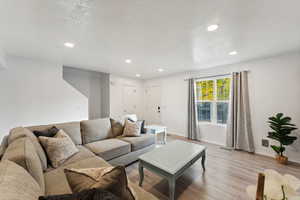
(82, 154)
(22, 152)
(112, 179)
(56, 181)
(59, 148)
(139, 142)
(109, 148)
(94, 130)
(16, 183)
(24, 132)
(71, 128)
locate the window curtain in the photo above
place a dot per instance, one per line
(192, 112)
(239, 131)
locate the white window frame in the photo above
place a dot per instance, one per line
(214, 120)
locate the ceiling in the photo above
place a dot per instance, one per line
(168, 34)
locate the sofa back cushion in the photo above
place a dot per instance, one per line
(20, 132)
(94, 130)
(22, 152)
(16, 183)
(71, 128)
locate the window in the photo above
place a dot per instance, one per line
(213, 97)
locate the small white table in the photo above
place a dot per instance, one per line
(171, 161)
(158, 129)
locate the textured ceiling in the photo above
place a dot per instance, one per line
(169, 34)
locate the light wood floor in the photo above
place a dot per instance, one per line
(227, 175)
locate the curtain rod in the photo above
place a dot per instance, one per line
(211, 76)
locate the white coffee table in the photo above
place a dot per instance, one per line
(171, 161)
(157, 129)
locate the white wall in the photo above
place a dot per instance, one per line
(93, 85)
(273, 86)
(117, 84)
(174, 93)
(33, 93)
(2, 59)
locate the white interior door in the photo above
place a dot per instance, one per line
(130, 100)
(153, 105)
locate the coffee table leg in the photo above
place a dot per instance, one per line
(172, 184)
(141, 172)
(203, 160)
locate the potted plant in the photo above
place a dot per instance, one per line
(281, 129)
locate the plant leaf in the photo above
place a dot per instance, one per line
(276, 149)
(279, 115)
(288, 140)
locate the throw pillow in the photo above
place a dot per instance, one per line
(132, 129)
(143, 129)
(117, 128)
(51, 132)
(112, 179)
(92, 194)
(58, 148)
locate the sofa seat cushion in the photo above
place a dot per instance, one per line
(16, 183)
(71, 128)
(94, 130)
(56, 182)
(22, 152)
(110, 148)
(139, 142)
(82, 154)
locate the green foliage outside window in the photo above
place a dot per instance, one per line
(205, 90)
(223, 89)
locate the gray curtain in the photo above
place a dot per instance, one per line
(239, 131)
(192, 119)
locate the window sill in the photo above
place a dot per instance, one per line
(212, 124)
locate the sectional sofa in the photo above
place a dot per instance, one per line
(98, 147)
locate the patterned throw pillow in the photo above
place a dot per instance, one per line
(91, 194)
(132, 129)
(58, 148)
(112, 179)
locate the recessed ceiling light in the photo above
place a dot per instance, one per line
(138, 75)
(160, 70)
(212, 27)
(128, 61)
(232, 53)
(69, 44)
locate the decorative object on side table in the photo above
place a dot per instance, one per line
(281, 129)
(275, 187)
